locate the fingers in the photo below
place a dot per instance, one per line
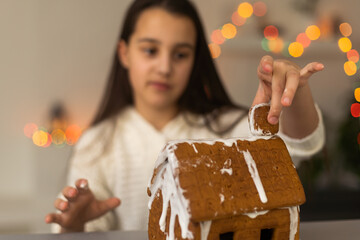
(108, 205)
(82, 185)
(266, 64)
(310, 69)
(54, 218)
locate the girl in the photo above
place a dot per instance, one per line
(163, 86)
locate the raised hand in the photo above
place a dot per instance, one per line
(81, 206)
(280, 82)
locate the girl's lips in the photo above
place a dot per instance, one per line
(160, 86)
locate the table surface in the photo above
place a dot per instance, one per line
(329, 230)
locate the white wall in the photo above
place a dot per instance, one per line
(61, 50)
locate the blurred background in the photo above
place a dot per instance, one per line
(54, 61)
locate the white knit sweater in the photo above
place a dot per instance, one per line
(118, 155)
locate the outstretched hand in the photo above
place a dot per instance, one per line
(280, 80)
(81, 206)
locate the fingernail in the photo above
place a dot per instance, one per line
(84, 185)
(63, 205)
(321, 66)
(267, 67)
(273, 120)
(287, 101)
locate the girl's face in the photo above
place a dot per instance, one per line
(159, 58)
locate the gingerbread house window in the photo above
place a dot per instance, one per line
(225, 189)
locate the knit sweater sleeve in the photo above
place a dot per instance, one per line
(91, 160)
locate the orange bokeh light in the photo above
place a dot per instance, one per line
(303, 39)
(215, 50)
(245, 10)
(357, 94)
(276, 46)
(271, 32)
(353, 55)
(30, 129)
(73, 133)
(350, 68)
(313, 32)
(296, 49)
(345, 44)
(345, 29)
(58, 137)
(260, 9)
(237, 19)
(355, 110)
(217, 37)
(229, 31)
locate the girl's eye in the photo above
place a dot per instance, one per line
(150, 51)
(181, 55)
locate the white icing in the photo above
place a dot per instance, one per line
(255, 214)
(255, 175)
(258, 131)
(226, 170)
(294, 221)
(193, 145)
(222, 198)
(172, 194)
(205, 229)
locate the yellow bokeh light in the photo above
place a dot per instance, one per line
(245, 10)
(229, 31)
(350, 68)
(40, 138)
(357, 94)
(296, 49)
(215, 50)
(276, 46)
(313, 32)
(345, 29)
(344, 44)
(58, 137)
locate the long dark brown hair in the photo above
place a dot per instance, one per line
(204, 93)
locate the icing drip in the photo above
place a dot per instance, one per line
(172, 194)
(255, 175)
(205, 229)
(193, 145)
(255, 214)
(294, 221)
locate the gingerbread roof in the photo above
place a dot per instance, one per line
(217, 179)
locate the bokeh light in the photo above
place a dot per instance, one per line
(30, 129)
(217, 37)
(237, 19)
(345, 29)
(313, 32)
(353, 55)
(303, 39)
(259, 8)
(49, 140)
(350, 68)
(295, 49)
(276, 46)
(355, 110)
(245, 10)
(265, 44)
(344, 44)
(357, 94)
(73, 133)
(229, 31)
(271, 32)
(215, 50)
(40, 138)
(58, 137)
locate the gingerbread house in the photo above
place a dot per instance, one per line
(226, 188)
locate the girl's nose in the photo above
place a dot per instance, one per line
(165, 65)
